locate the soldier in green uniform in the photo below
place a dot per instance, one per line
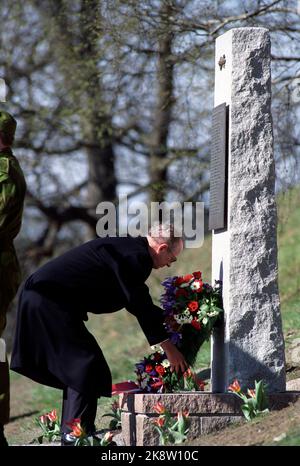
(12, 193)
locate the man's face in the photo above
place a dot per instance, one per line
(165, 254)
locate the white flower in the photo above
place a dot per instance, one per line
(182, 319)
(186, 312)
(166, 363)
(157, 348)
(196, 285)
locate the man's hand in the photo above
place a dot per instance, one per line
(176, 359)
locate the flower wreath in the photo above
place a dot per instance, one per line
(192, 309)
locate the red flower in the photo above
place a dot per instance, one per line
(148, 368)
(187, 373)
(200, 288)
(196, 285)
(77, 430)
(160, 369)
(157, 356)
(160, 421)
(181, 292)
(197, 274)
(178, 281)
(52, 416)
(157, 384)
(196, 324)
(200, 384)
(193, 306)
(187, 278)
(48, 418)
(159, 408)
(108, 438)
(182, 414)
(251, 393)
(43, 419)
(235, 386)
(185, 413)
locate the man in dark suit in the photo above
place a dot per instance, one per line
(52, 345)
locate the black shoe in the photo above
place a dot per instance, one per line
(3, 441)
(67, 440)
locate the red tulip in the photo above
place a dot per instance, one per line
(77, 429)
(160, 421)
(201, 385)
(235, 386)
(52, 416)
(251, 393)
(159, 408)
(44, 419)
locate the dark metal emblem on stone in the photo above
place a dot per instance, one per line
(222, 62)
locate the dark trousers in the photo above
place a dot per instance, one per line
(4, 391)
(78, 405)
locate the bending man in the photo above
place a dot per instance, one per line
(52, 345)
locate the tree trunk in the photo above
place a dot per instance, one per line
(162, 117)
(78, 57)
(100, 153)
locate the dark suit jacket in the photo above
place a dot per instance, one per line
(52, 345)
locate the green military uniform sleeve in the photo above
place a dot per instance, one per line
(4, 168)
(4, 194)
(12, 192)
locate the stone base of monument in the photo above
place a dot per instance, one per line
(208, 412)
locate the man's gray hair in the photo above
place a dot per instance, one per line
(164, 233)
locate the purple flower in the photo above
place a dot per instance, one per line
(169, 281)
(207, 287)
(140, 367)
(175, 338)
(168, 308)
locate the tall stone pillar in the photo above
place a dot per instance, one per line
(244, 256)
